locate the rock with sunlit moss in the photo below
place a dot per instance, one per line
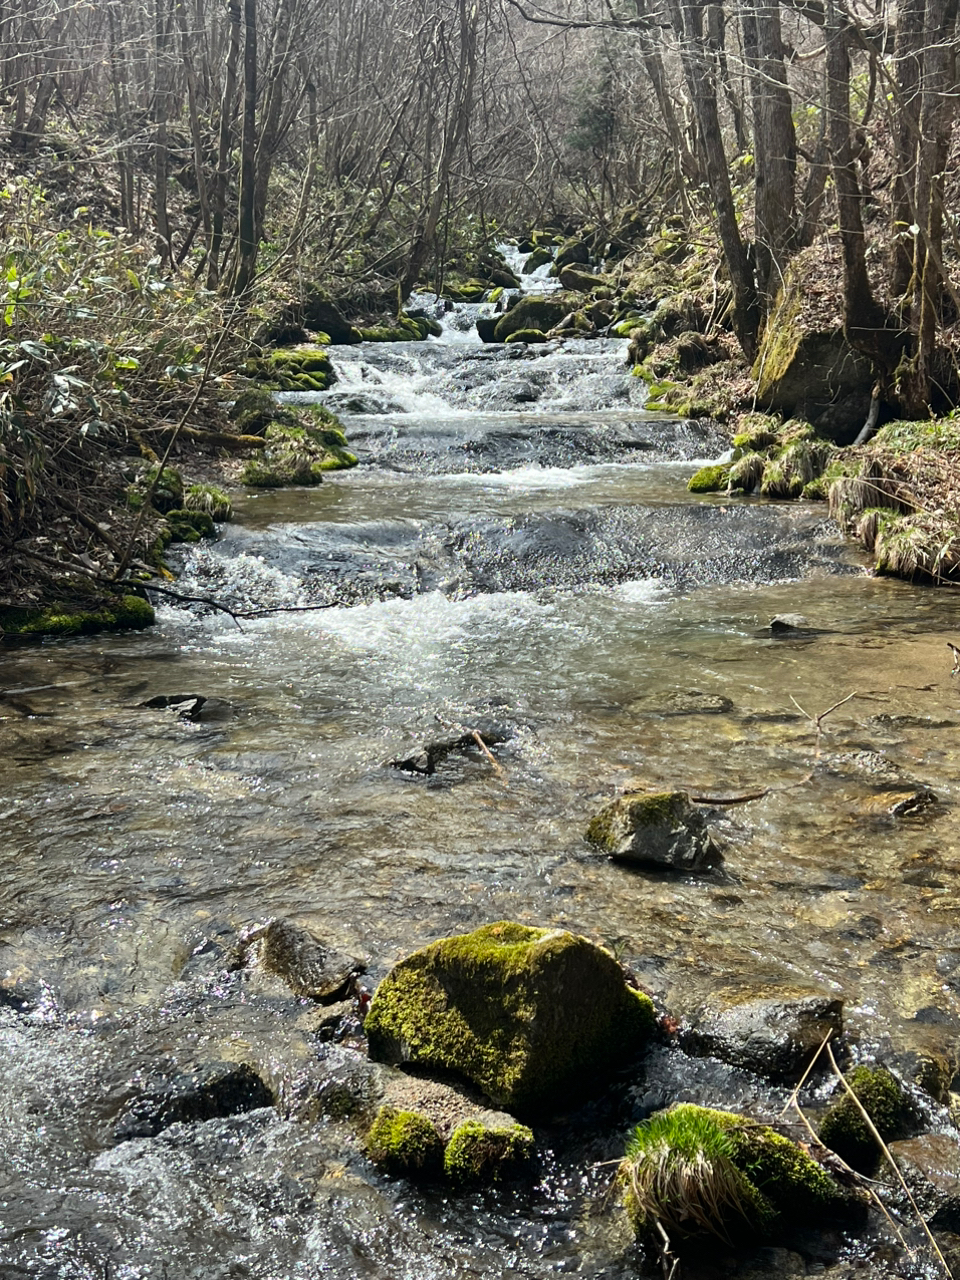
(662, 830)
(531, 1016)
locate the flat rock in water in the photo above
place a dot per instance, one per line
(307, 965)
(660, 830)
(900, 802)
(211, 1090)
(688, 702)
(774, 1033)
(789, 624)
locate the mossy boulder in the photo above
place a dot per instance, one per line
(527, 335)
(531, 313)
(572, 251)
(406, 329)
(540, 257)
(710, 479)
(293, 369)
(189, 526)
(579, 280)
(700, 1172)
(459, 289)
(76, 618)
(405, 1144)
(805, 366)
(487, 328)
(320, 311)
(482, 1153)
(298, 451)
(253, 411)
(530, 1016)
(844, 1130)
(661, 830)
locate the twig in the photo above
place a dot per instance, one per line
(208, 600)
(289, 608)
(667, 1256)
(498, 768)
(720, 801)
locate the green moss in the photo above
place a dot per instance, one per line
(478, 1152)
(710, 479)
(703, 1172)
(663, 807)
(539, 258)
(304, 368)
(533, 313)
(405, 1144)
(121, 613)
(904, 437)
(209, 499)
(529, 1015)
(299, 451)
(464, 290)
(189, 526)
(526, 335)
(844, 1129)
(796, 466)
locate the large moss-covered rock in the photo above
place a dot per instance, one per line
(537, 259)
(529, 1015)
(298, 452)
(532, 313)
(571, 251)
(805, 366)
(700, 1172)
(662, 830)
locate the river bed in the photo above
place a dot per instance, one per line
(517, 545)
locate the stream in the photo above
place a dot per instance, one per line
(517, 546)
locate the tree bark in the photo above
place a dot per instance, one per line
(247, 213)
(227, 102)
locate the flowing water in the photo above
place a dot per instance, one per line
(517, 547)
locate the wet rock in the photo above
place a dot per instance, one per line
(901, 802)
(531, 313)
(486, 326)
(912, 722)
(428, 758)
(661, 830)
(890, 1108)
(537, 259)
(685, 702)
(930, 1165)
(405, 1144)
(487, 1150)
(194, 707)
(579, 280)
(530, 1016)
(308, 966)
(774, 1033)
(211, 1090)
(571, 251)
(789, 624)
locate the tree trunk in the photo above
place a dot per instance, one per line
(270, 116)
(161, 108)
(701, 85)
(227, 102)
(775, 145)
(906, 124)
(196, 133)
(247, 212)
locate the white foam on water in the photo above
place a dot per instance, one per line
(642, 591)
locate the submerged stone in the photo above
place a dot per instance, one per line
(662, 830)
(310, 968)
(930, 1166)
(774, 1033)
(530, 1016)
(211, 1090)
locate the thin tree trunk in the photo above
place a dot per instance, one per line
(162, 107)
(247, 213)
(196, 132)
(906, 123)
(219, 195)
(270, 131)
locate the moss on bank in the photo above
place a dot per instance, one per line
(75, 618)
(299, 448)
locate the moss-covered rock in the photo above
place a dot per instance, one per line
(405, 1144)
(529, 1015)
(540, 257)
(459, 289)
(532, 313)
(573, 250)
(487, 328)
(210, 500)
(579, 280)
(662, 830)
(298, 452)
(710, 479)
(527, 335)
(75, 618)
(700, 1172)
(304, 368)
(189, 526)
(805, 365)
(406, 329)
(844, 1130)
(478, 1152)
(253, 411)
